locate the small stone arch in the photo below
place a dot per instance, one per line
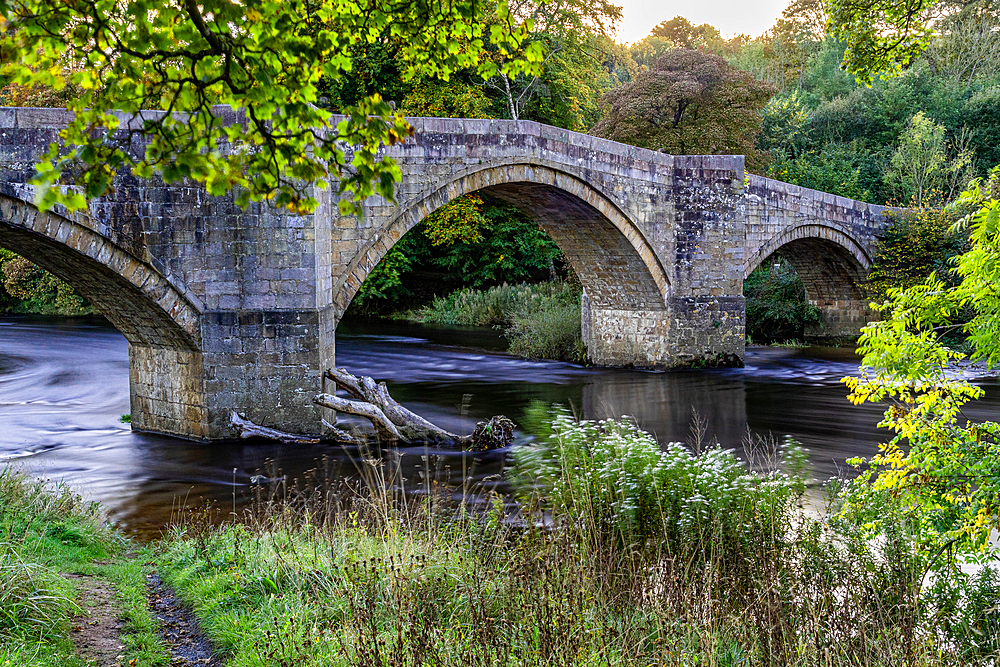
(827, 235)
(616, 264)
(143, 305)
(832, 266)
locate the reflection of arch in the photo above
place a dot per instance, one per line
(616, 264)
(143, 305)
(831, 264)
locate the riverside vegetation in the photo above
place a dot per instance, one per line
(45, 535)
(619, 553)
(540, 320)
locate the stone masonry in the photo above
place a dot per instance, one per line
(228, 309)
(826, 238)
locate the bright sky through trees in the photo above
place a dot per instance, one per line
(731, 17)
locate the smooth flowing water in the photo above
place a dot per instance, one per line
(64, 387)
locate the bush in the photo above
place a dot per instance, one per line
(497, 306)
(776, 303)
(834, 168)
(27, 288)
(541, 321)
(916, 243)
(613, 478)
(552, 332)
(473, 241)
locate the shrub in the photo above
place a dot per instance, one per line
(27, 288)
(613, 478)
(541, 321)
(497, 306)
(550, 333)
(916, 243)
(776, 303)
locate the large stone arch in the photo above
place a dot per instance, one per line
(586, 224)
(161, 323)
(618, 267)
(833, 266)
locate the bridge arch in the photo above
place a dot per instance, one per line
(832, 265)
(617, 265)
(145, 307)
(160, 323)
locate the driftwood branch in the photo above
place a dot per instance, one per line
(386, 429)
(392, 422)
(248, 429)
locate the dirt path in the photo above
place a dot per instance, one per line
(188, 645)
(96, 631)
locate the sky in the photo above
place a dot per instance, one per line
(731, 17)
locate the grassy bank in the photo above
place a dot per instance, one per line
(623, 555)
(45, 535)
(540, 320)
(620, 553)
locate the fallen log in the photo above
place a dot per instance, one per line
(393, 423)
(247, 429)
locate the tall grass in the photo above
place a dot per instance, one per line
(620, 554)
(540, 320)
(35, 602)
(46, 530)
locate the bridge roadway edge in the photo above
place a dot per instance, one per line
(663, 242)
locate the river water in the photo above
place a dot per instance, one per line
(64, 386)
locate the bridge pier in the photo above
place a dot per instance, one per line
(840, 321)
(264, 365)
(625, 336)
(167, 391)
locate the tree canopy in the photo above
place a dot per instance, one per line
(689, 102)
(942, 465)
(265, 60)
(883, 37)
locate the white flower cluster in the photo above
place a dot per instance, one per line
(615, 476)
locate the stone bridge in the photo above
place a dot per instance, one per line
(229, 309)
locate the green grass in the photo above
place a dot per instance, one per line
(541, 321)
(44, 532)
(624, 555)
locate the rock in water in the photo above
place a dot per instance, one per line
(495, 433)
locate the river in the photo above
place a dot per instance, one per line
(64, 387)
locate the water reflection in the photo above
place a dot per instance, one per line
(64, 385)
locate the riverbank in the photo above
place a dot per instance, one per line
(539, 321)
(72, 589)
(617, 553)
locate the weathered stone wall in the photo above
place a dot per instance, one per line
(228, 309)
(656, 239)
(218, 304)
(826, 238)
